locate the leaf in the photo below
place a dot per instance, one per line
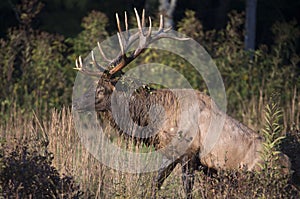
(277, 140)
(276, 153)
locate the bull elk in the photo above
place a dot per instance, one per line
(181, 123)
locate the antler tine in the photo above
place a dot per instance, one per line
(118, 23)
(80, 62)
(76, 64)
(150, 28)
(161, 33)
(126, 21)
(138, 21)
(121, 44)
(126, 25)
(143, 18)
(102, 53)
(144, 39)
(161, 23)
(168, 29)
(98, 66)
(120, 36)
(93, 57)
(79, 67)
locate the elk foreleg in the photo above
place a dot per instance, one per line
(189, 165)
(165, 170)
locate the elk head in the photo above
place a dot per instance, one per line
(109, 75)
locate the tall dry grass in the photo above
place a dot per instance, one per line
(70, 157)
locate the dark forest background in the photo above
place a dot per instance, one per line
(64, 17)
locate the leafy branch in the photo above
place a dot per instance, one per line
(271, 133)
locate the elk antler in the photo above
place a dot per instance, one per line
(122, 60)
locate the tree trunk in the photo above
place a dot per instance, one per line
(166, 8)
(250, 24)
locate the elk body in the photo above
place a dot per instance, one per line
(175, 121)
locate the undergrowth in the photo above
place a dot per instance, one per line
(26, 173)
(45, 158)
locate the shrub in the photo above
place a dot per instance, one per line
(32, 62)
(26, 173)
(250, 77)
(94, 30)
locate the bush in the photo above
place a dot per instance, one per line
(250, 77)
(26, 173)
(33, 74)
(244, 184)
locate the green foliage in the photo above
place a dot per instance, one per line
(250, 77)
(191, 26)
(27, 10)
(272, 137)
(94, 31)
(33, 71)
(272, 130)
(286, 38)
(37, 66)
